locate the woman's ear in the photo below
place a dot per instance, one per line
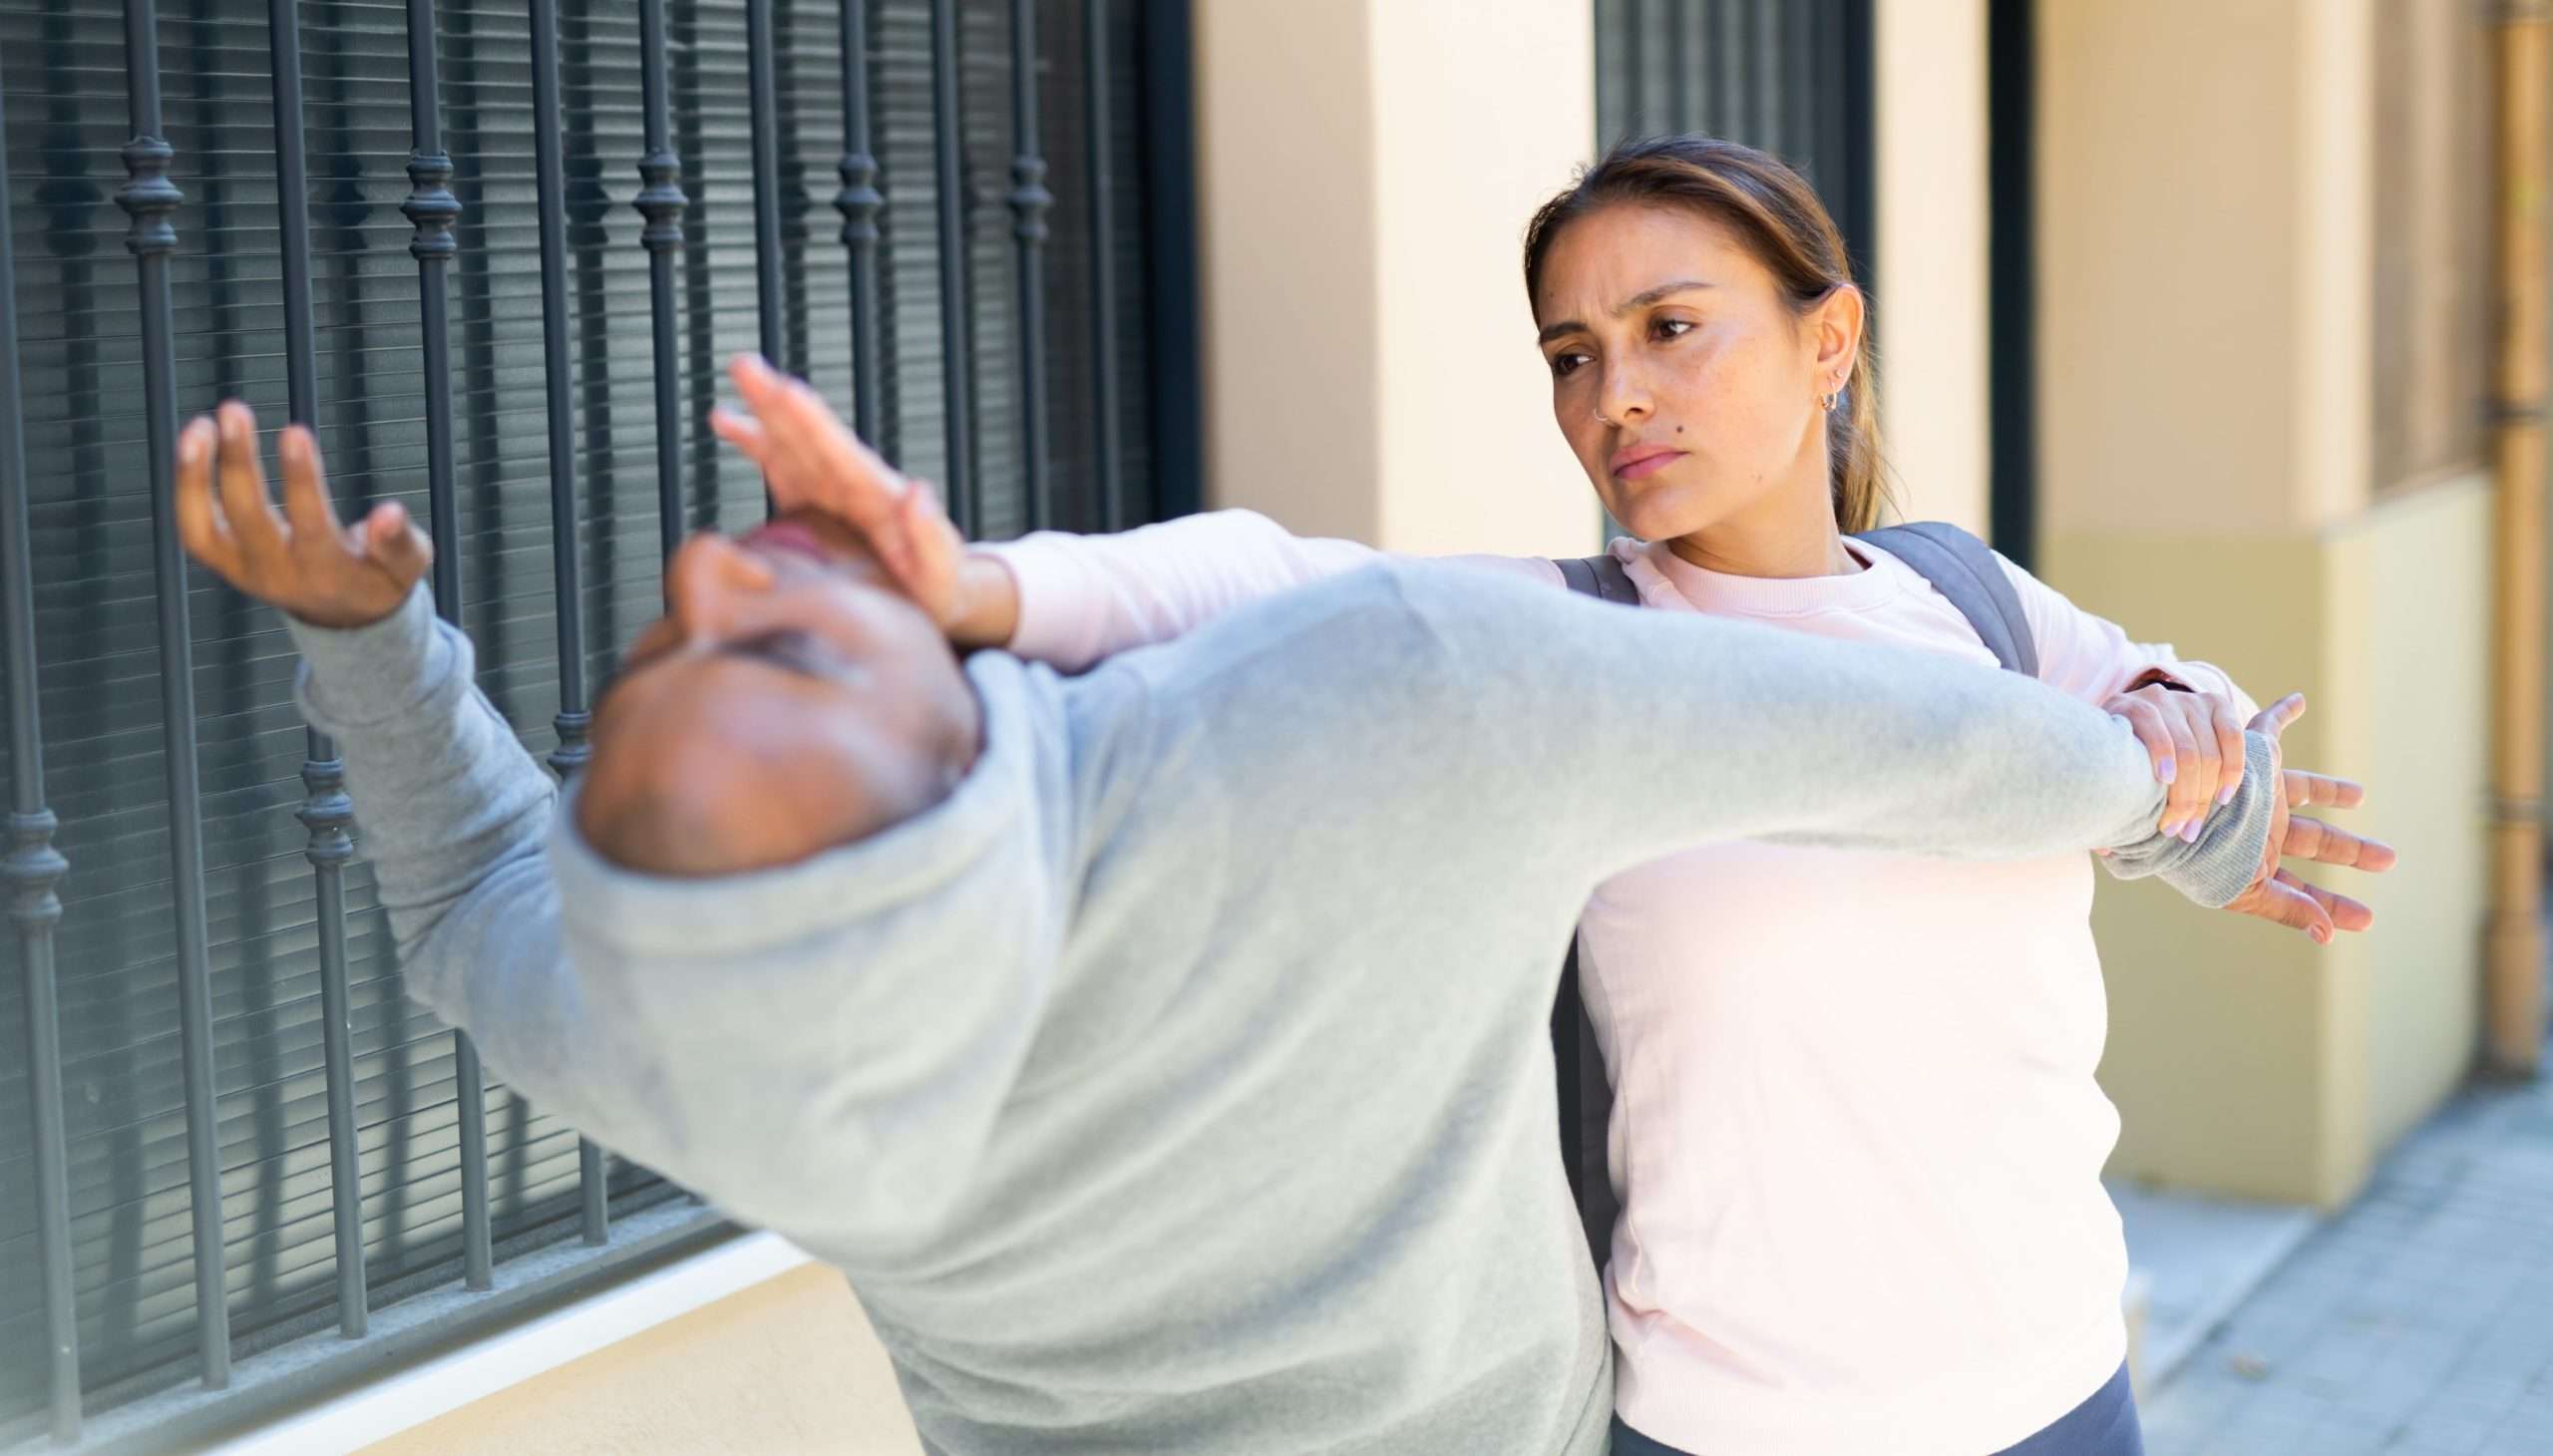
(1836, 325)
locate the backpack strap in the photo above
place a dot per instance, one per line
(1964, 569)
(1586, 1113)
(1602, 577)
(1586, 1097)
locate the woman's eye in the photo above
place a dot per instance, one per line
(1674, 328)
(1565, 365)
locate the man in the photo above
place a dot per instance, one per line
(1161, 1051)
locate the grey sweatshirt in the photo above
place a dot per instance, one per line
(1182, 1082)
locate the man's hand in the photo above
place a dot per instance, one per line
(813, 461)
(300, 560)
(2279, 896)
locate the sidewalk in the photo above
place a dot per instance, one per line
(2419, 1323)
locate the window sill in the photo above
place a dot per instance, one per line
(419, 1393)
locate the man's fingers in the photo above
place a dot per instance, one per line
(2290, 906)
(2274, 719)
(2320, 791)
(200, 527)
(305, 486)
(2312, 839)
(2344, 913)
(392, 542)
(241, 481)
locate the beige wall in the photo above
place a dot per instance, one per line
(2206, 276)
(1366, 170)
(1930, 307)
(786, 1365)
(2244, 1059)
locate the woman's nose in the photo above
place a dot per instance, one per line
(707, 579)
(1622, 395)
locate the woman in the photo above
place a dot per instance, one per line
(1856, 1130)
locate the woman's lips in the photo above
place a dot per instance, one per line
(1631, 465)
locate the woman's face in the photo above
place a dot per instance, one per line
(1685, 381)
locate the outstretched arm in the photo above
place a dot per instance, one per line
(1054, 597)
(453, 809)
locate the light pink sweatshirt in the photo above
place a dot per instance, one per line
(1855, 1130)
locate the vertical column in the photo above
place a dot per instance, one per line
(148, 197)
(660, 201)
(434, 210)
(551, 190)
(956, 347)
(29, 866)
(1099, 125)
(860, 202)
(770, 296)
(325, 811)
(1029, 201)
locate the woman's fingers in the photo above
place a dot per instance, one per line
(2175, 754)
(926, 552)
(741, 431)
(2194, 787)
(845, 477)
(2228, 727)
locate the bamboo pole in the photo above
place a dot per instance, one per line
(2514, 971)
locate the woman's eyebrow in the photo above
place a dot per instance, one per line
(1633, 305)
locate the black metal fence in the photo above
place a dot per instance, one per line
(1790, 76)
(496, 258)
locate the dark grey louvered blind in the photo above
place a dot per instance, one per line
(62, 77)
(1792, 76)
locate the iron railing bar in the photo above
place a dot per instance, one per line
(31, 866)
(326, 811)
(860, 202)
(1634, 43)
(1029, 202)
(573, 719)
(660, 201)
(1766, 64)
(1100, 124)
(958, 410)
(148, 197)
(434, 210)
(1728, 46)
(770, 293)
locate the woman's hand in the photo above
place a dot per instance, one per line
(299, 560)
(2280, 896)
(812, 461)
(2196, 742)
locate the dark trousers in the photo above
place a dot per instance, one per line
(2105, 1425)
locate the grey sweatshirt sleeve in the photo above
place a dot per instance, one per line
(1618, 736)
(452, 813)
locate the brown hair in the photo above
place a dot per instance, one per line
(1777, 217)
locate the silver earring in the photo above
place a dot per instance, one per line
(1826, 402)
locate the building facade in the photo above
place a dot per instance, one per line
(2185, 303)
